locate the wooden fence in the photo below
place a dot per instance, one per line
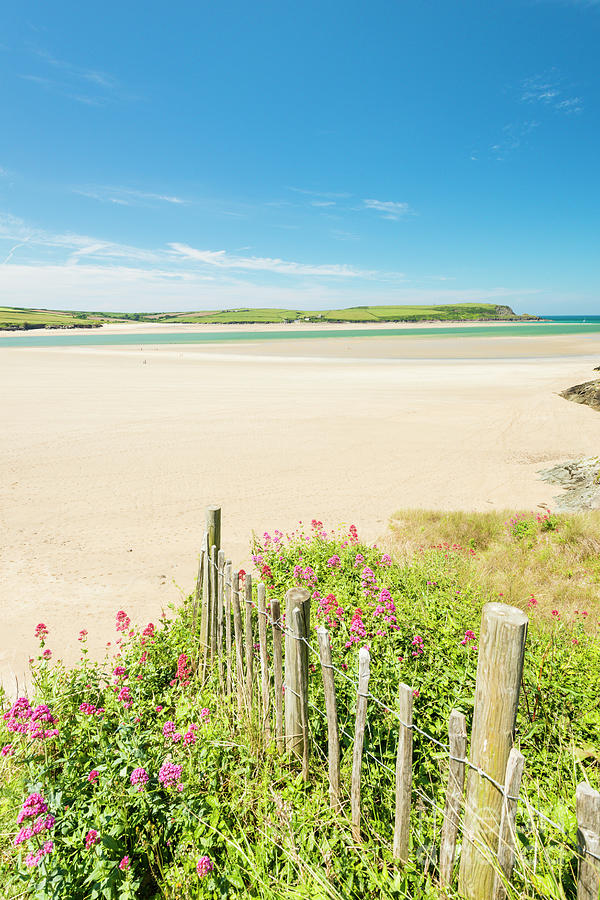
(482, 792)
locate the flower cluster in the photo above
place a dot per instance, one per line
(306, 574)
(170, 775)
(22, 718)
(90, 710)
(91, 838)
(417, 643)
(140, 778)
(34, 858)
(184, 670)
(41, 631)
(34, 808)
(205, 866)
(123, 621)
(357, 628)
(468, 639)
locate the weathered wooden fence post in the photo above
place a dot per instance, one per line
(302, 660)
(457, 733)
(403, 775)
(197, 607)
(364, 663)
(277, 671)
(261, 592)
(213, 539)
(214, 590)
(588, 842)
(228, 590)
(499, 671)
(333, 735)
(507, 834)
(239, 643)
(296, 687)
(220, 611)
(249, 642)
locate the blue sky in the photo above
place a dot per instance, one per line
(208, 155)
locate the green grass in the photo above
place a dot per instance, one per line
(13, 318)
(243, 804)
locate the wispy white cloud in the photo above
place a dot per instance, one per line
(547, 90)
(389, 209)
(223, 260)
(90, 86)
(322, 202)
(325, 195)
(126, 196)
(514, 135)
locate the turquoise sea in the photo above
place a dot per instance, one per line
(575, 325)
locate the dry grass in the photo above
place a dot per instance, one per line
(560, 567)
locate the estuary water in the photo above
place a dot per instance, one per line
(100, 337)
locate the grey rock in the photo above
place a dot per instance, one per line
(580, 480)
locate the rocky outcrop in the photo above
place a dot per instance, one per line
(588, 393)
(580, 479)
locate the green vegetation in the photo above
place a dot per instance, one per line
(110, 744)
(39, 318)
(25, 319)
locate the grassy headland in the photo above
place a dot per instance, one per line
(155, 788)
(13, 318)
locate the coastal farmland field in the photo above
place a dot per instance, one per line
(21, 318)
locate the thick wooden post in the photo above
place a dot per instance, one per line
(403, 775)
(228, 589)
(213, 526)
(499, 671)
(239, 643)
(457, 732)
(249, 642)
(277, 672)
(588, 842)
(364, 663)
(302, 661)
(507, 834)
(261, 592)
(296, 687)
(333, 735)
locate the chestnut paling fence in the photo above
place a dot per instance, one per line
(482, 790)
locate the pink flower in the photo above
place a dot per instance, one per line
(149, 630)
(333, 561)
(124, 864)
(168, 728)
(123, 621)
(140, 777)
(47, 654)
(82, 635)
(91, 838)
(555, 613)
(35, 857)
(34, 806)
(41, 631)
(205, 866)
(169, 774)
(93, 775)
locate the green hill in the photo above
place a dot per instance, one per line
(24, 319)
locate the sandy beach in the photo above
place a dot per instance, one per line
(109, 456)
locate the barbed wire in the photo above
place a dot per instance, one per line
(220, 571)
